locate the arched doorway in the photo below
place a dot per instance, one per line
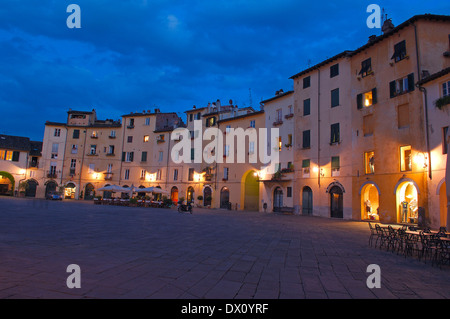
(141, 194)
(336, 202)
(207, 196)
(174, 194)
(407, 197)
(307, 201)
(370, 201)
(50, 186)
(224, 197)
(277, 199)
(443, 204)
(31, 189)
(89, 192)
(6, 183)
(69, 191)
(125, 195)
(190, 194)
(250, 191)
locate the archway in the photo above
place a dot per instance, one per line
(31, 189)
(407, 197)
(6, 183)
(250, 188)
(141, 194)
(106, 194)
(89, 192)
(207, 196)
(224, 197)
(277, 199)
(50, 186)
(336, 202)
(69, 190)
(443, 204)
(190, 194)
(307, 201)
(370, 201)
(125, 195)
(174, 194)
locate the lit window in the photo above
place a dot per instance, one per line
(405, 158)
(146, 138)
(369, 162)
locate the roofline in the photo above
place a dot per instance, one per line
(240, 116)
(277, 96)
(396, 29)
(434, 76)
(146, 114)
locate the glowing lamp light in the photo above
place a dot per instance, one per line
(420, 160)
(150, 177)
(316, 169)
(22, 172)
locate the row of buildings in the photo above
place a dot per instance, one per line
(363, 135)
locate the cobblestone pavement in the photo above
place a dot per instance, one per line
(133, 252)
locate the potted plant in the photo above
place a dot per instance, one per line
(23, 186)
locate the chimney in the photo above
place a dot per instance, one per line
(387, 26)
(372, 38)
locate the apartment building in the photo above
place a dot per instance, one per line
(278, 185)
(19, 163)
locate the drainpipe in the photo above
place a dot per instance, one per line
(318, 127)
(424, 91)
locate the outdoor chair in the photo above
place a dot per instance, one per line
(430, 244)
(442, 254)
(413, 246)
(382, 236)
(373, 234)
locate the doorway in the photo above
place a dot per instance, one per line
(336, 202)
(307, 201)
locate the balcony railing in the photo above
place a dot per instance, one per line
(51, 174)
(34, 164)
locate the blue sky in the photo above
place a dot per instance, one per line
(135, 55)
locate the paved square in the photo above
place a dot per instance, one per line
(133, 252)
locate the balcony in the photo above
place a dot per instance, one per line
(72, 172)
(51, 174)
(131, 126)
(288, 116)
(110, 154)
(112, 136)
(277, 123)
(33, 164)
(160, 140)
(108, 176)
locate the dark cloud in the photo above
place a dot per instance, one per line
(138, 54)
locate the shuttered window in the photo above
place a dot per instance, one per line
(306, 139)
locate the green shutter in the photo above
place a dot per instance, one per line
(411, 85)
(392, 89)
(374, 96)
(306, 163)
(359, 101)
(335, 162)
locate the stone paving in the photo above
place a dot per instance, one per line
(133, 252)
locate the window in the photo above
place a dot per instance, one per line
(335, 97)
(127, 156)
(54, 150)
(160, 138)
(401, 86)
(160, 156)
(405, 158)
(198, 115)
(227, 150)
(306, 164)
(146, 138)
(147, 121)
(127, 174)
(368, 125)
(91, 169)
(227, 129)
(306, 107)
(175, 174)
(306, 139)
(251, 148)
(334, 70)
(211, 121)
(93, 150)
(366, 99)
(335, 166)
(280, 143)
(446, 88)
(144, 157)
(76, 134)
(252, 123)
(369, 162)
(366, 67)
(307, 82)
(158, 174)
(57, 132)
(52, 170)
(289, 191)
(131, 123)
(112, 134)
(94, 134)
(192, 154)
(130, 139)
(289, 143)
(143, 173)
(109, 169)
(279, 115)
(8, 156)
(111, 150)
(399, 51)
(335, 138)
(74, 149)
(403, 115)
(191, 117)
(445, 140)
(225, 173)
(191, 174)
(15, 156)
